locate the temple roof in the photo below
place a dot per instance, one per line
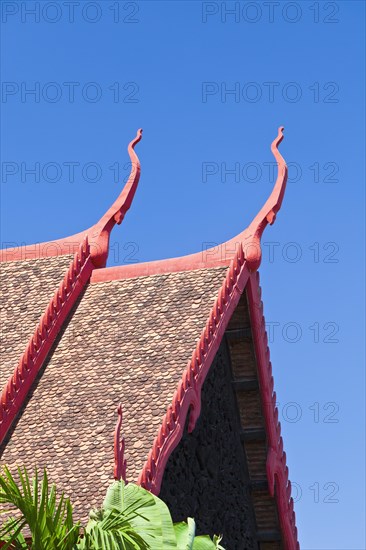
(144, 335)
(128, 341)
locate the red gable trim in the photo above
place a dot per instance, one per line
(277, 470)
(99, 234)
(18, 385)
(187, 397)
(188, 394)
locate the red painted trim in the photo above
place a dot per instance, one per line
(188, 394)
(250, 238)
(187, 398)
(98, 235)
(277, 471)
(18, 385)
(120, 464)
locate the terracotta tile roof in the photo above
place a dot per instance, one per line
(145, 335)
(26, 288)
(127, 340)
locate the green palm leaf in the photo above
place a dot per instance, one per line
(35, 504)
(130, 518)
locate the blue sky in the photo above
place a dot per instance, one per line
(210, 87)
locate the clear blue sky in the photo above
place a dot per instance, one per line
(102, 70)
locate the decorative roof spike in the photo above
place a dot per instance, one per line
(94, 240)
(274, 202)
(117, 211)
(267, 214)
(120, 464)
(123, 202)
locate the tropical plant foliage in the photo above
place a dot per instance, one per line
(50, 523)
(130, 518)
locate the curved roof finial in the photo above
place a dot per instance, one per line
(98, 234)
(117, 211)
(267, 214)
(249, 240)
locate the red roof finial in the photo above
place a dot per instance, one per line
(267, 215)
(120, 464)
(117, 211)
(248, 240)
(98, 234)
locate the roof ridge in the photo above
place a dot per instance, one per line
(99, 234)
(151, 269)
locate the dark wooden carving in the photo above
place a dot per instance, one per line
(206, 475)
